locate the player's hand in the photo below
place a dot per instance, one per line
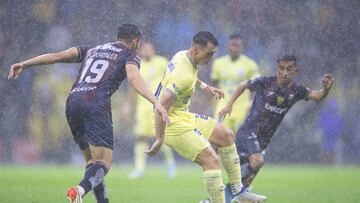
(226, 110)
(215, 92)
(327, 81)
(155, 147)
(163, 112)
(15, 71)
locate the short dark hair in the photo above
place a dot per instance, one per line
(287, 58)
(128, 32)
(236, 36)
(203, 37)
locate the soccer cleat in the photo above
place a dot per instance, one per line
(136, 174)
(72, 194)
(171, 170)
(246, 196)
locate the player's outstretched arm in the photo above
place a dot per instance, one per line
(212, 91)
(167, 100)
(67, 56)
(228, 108)
(141, 87)
(318, 95)
(129, 104)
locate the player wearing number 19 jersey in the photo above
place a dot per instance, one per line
(88, 107)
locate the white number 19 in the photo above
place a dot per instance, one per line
(98, 67)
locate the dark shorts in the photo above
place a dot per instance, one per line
(247, 143)
(90, 120)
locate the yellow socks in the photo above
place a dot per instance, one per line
(231, 163)
(168, 154)
(214, 185)
(140, 156)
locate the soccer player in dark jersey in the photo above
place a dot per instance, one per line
(88, 106)
(274, 96)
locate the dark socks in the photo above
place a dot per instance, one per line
(100, 190)
(94, 175)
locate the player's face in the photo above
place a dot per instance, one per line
(147, 50)
(286, 71)
(135, 44)
(235, 48)
(203, 55)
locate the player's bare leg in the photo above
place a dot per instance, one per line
(210, 162)
(224, 138)
(250, 170)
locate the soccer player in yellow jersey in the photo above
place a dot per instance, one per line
(191, 135)
(227, 73)
(152, 69)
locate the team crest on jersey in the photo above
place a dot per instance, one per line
(280, 100)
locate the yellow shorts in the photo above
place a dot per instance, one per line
(188, 134)
(237, 118)
(144, 121)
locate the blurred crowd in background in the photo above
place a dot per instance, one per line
(323, 34)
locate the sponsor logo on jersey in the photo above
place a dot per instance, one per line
(205, 117)
(110, 47)
(171, 67)
(268, 93)
(197, 131)
(275, 109)
(280, 100)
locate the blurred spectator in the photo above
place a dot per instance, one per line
(331, 124)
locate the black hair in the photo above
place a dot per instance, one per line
(287, 58)
(203, 37)
(236, 36)
(128, 32)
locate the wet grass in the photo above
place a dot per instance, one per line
(282, 184)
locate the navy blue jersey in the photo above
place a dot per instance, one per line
(103, 68)
(270, 106)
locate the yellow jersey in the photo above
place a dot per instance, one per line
(180, 78)
(152, 72)
(229, 74)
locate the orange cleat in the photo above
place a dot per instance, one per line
(72, 194)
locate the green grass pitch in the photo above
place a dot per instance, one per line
(282, 184)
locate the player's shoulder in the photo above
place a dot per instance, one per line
(222, 59)
(297, 85)
(248, 60)
(160, 58)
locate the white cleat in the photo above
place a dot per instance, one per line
(136, 174)
(250, 197)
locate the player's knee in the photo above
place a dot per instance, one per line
(214, 161)
(228, 137)
(210, 160)
(256, 163)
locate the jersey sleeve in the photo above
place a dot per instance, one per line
(82, 51)
(177, 84)
(134, 59)
(302, 93)
(254, 70)
(215, 71)
(256, 83)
